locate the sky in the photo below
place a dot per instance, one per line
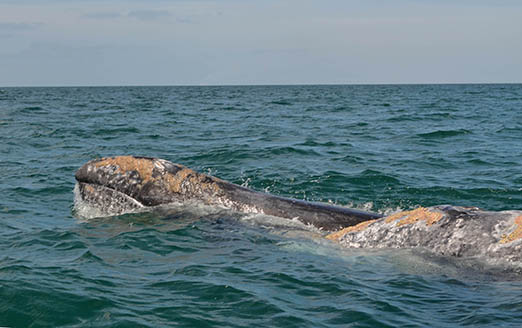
(224, 42)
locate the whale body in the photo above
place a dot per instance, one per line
(122, 184)
(445, 230)
(118, 185)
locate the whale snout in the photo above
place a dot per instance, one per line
(147, 180)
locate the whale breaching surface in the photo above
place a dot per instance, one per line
(124, 184)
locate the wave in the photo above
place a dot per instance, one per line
(282, 102)
(439, 134)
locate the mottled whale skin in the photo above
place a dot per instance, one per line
(445, 230)
(122, 184)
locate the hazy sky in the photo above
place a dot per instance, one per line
(113, 42)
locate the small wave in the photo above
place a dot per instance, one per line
(439, 115)
(511, 132)
(313, 143)
(443, 134)
(15, 269)
(379, 177)
(237, 108)
(403, 118)
(281, 102)
(70, 245)
(194, 270)
(149, 241)
(480, 162)
(33, 108)
(474, 92)
(109, 131)
(292, 150)
(350, 159)
(88, 256)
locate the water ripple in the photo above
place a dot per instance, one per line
(382, 148)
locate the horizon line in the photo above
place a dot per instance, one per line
(255, 84)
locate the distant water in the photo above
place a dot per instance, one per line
(379, 148)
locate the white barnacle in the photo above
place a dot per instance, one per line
(159, 165)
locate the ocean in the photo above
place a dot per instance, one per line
(380, 148)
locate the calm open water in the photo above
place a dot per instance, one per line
(379, 148)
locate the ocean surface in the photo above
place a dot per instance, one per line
(380, 148)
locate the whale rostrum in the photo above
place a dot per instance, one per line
(122, 184)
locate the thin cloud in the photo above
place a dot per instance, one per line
(16, 27)
(148, 15)
(103, 15)
(143, 15)
(185, 20)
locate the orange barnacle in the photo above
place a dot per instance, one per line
(421, 214)
(359, 227)
(396, 216)
(418, 214)
(129, 163)
(516, 234)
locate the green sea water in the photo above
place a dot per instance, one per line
(379, 148)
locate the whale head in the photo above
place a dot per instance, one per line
(116, 185)
(122, 184)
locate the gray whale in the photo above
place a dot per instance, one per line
(117, 185)
(122, 184)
